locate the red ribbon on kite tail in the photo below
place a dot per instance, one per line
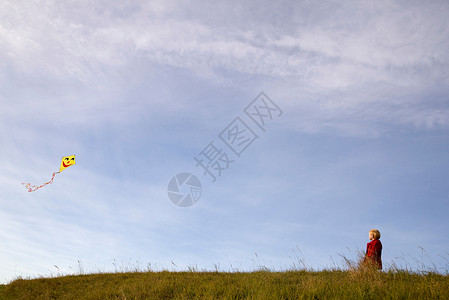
(32, 188)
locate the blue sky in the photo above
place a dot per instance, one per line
(137, 90)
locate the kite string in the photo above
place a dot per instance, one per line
(32, 188)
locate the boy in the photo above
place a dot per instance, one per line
(374, 250)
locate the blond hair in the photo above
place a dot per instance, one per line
(376, 233)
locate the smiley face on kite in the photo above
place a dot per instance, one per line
(67, 162)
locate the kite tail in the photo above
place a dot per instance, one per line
(32, 188)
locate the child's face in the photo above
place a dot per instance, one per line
(371, 236)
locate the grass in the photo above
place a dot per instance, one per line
(356, 281)
(222, 285)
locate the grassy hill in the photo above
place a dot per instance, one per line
(335, 284)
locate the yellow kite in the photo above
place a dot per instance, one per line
(66, 162)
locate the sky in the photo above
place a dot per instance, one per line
(353, 96)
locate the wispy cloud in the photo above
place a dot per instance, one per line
(61, 40)
(382, 47)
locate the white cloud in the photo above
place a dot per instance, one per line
(78, 40)
(354, 68)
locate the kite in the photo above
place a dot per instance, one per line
(66, 162)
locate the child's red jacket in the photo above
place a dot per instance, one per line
(374, 252)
